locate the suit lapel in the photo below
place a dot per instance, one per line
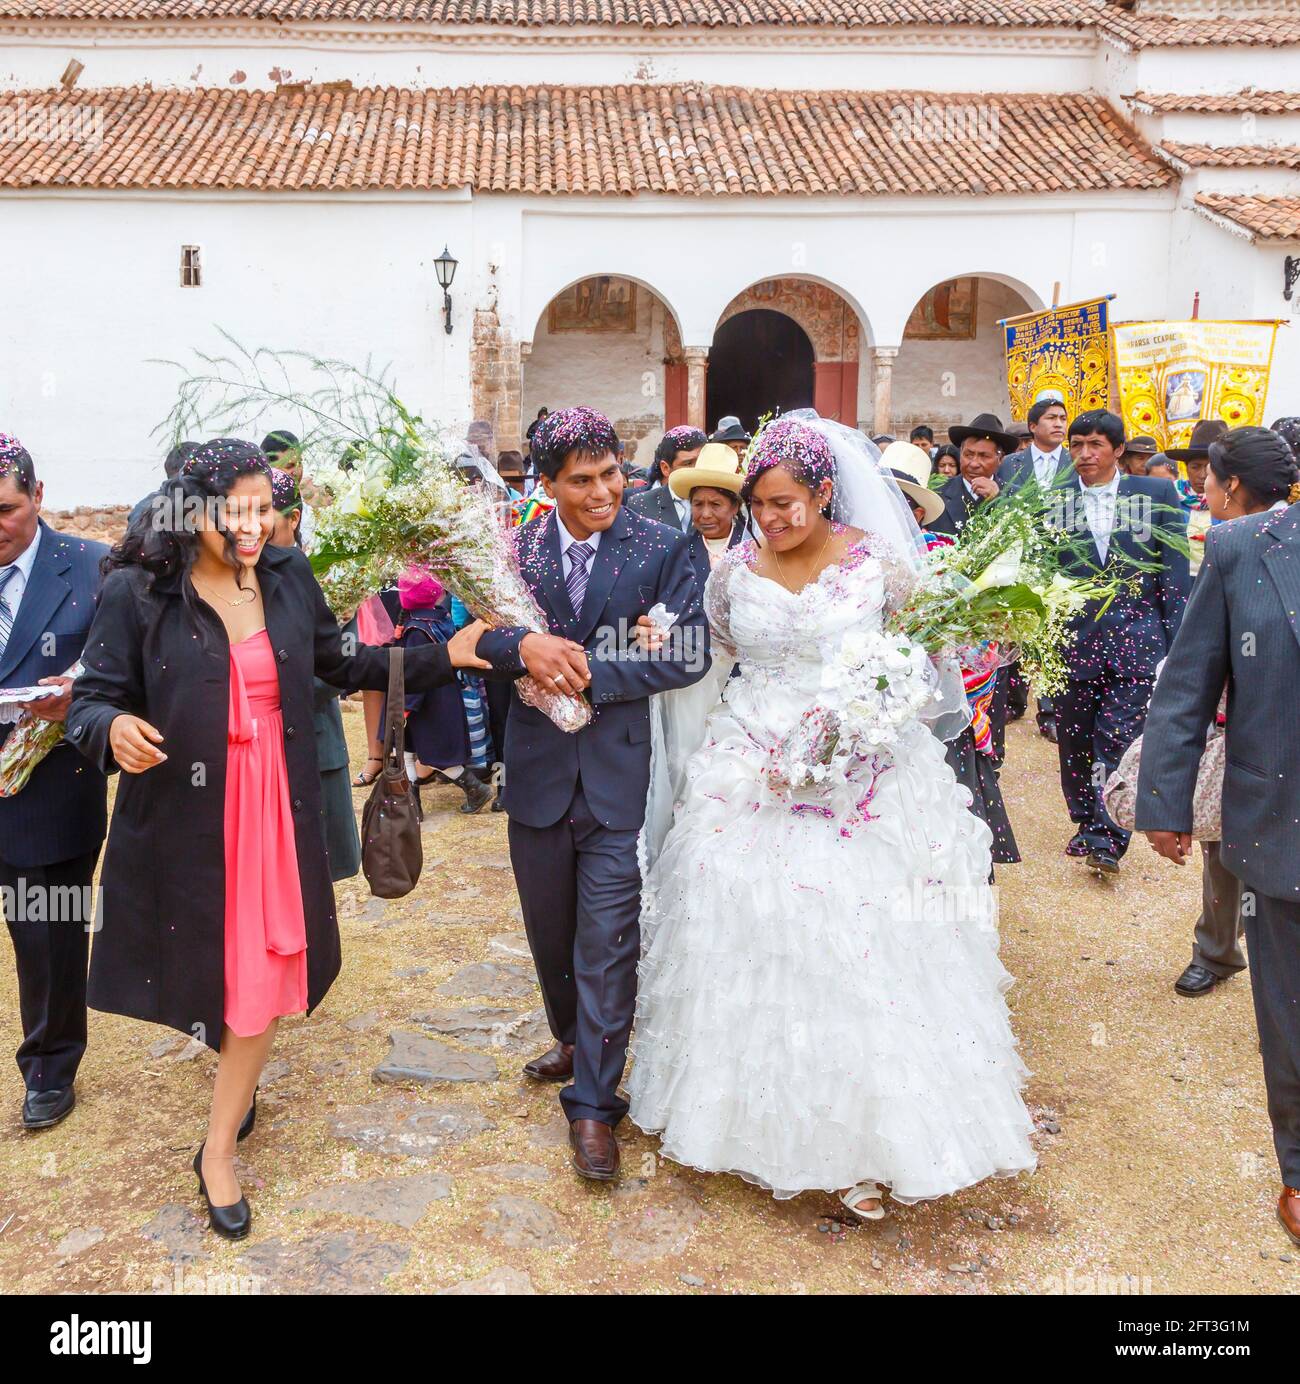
(615, 545)
(46, 591)
(544, 570)
(1281, 560)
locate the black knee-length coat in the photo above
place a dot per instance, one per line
(158, 953)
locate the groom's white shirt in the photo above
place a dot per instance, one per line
(567, 541)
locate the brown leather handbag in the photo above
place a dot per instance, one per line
(392, 853)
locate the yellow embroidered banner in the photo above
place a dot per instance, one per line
(1063, 349)
(1173, 374)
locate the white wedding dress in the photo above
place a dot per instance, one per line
(820, 997)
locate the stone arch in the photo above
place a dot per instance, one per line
(613, 341)
(831, 322)
(951, 360)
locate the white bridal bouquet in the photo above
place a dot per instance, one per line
(388, 491)
(873, 685)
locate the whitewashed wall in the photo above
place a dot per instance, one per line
(90, 287)
(221, 55)
(945, 382)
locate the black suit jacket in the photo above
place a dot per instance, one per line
(160, 951)
(61, 812)
(1138, 627)
(638, 564)
(1019, 468)
(957, 505)
(657, 503)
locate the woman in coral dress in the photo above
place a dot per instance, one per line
(217, 914)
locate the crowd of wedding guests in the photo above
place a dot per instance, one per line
(1212, 531)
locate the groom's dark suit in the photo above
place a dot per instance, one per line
(1242, 628)
(577, 802)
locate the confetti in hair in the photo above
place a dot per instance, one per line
(579, 429)
(805, 454)
(284, 491)
(682, 438)
(16, 461)
(218, 464)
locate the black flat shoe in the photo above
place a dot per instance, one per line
(1103, 863)
(230, 1222)
(1196, 980)
(1048, 731)
(43, 1109)
(1077, 846)
(250, 1120)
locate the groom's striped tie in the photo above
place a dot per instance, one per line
(579, 556)
(6, 611)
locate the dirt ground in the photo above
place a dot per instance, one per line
(1156, 1169)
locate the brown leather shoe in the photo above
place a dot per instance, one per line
(1288, 1212)
(556, 1064)
(595, 1150)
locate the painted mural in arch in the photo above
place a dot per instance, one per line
(830, 322)
(606, 342)
(952, 361)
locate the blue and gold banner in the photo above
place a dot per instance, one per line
(1065, 350)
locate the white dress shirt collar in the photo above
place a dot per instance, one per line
(25, 561)
(1111, 487)
(567, 540)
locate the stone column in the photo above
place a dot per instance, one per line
(697, 365)
(882, 362)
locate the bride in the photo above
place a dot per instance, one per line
(820, 997)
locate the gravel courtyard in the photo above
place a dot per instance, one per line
(398, 1148)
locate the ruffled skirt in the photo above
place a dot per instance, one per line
(821, 1000)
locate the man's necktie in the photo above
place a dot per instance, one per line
(576, 581)
(6, 611)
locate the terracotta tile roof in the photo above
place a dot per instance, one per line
(1163, 31)
(1267, 218)
(649, 14)
(1233, 156)
(705, 141)
(1256, 102)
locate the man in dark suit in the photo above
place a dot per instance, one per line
(1046, 458)
(1241, 628)
(1112, 662)
(678, 447)
(576, 802)
(52, 829)
(982, 445)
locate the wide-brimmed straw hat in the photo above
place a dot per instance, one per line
(929, 501)
(907, 456)
(717, 465)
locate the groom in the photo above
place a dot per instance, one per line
(577, 801)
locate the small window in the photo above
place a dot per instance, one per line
(191, 270)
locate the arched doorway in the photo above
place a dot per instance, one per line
(605, 341)
(761, 362)
(952, 361)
